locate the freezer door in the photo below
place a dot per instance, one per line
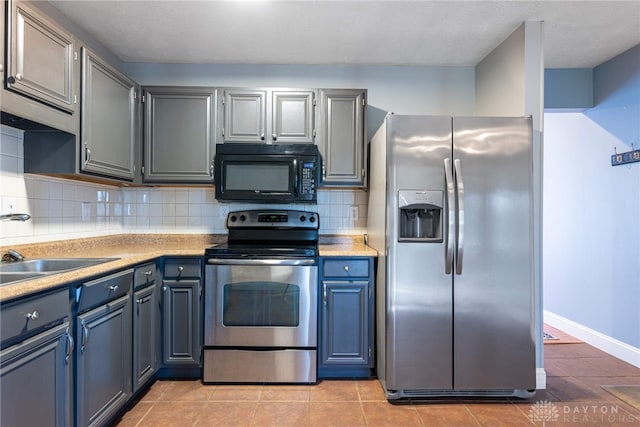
(418, 291)
(494, 345)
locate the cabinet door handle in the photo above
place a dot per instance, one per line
(113, 288)
(87, 154)
(85, 336)
(33, 316)
(324, 294)
(70, 347)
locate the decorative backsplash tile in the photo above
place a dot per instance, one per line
(66, 209)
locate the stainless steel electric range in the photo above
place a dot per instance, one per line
(261, 299)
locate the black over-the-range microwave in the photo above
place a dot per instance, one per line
(287, 173)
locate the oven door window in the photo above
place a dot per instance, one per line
(261, 304)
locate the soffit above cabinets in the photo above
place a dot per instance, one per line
(577, 34)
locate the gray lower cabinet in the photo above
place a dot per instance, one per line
(145, 330)
(35, 362)
(181, 312)
(108, 125)
(179, 137)
(103, 348)
(341, 137)
(346, 317)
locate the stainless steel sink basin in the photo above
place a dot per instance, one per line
(29, 269)
(15, 277)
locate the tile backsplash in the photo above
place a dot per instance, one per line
(67, 209)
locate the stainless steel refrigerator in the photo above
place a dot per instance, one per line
(450, 214)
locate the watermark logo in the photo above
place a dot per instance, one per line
(548, 412)
(544, 411)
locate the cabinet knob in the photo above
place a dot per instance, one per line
(148, 273)
(33, 316)
(274, 136)
(346, 268)
(19, 77)
(180, 268)
(262, 136)
(113, 288)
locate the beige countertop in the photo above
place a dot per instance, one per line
(134, 249)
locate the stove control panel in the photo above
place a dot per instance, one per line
(273, 218)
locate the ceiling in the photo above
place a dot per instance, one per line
(577, 34)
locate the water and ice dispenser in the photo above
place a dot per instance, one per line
(421, 215)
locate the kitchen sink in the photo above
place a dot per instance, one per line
(15, 277)
(32, 268)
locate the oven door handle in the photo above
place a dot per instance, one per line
(237, 261)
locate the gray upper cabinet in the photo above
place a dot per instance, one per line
(292, 117)
(40, 58)
(179, 142)
(341, 125)
(273, 116)
(108, 124)
(245, 115)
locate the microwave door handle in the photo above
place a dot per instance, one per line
(295, 176)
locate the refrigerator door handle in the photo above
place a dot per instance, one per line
(460, 197)
(450, 220)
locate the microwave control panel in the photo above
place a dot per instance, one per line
(308, 178)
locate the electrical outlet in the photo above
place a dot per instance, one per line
(224, 211)
(354, 212)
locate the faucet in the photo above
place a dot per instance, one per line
(12, 256)
(15, 217)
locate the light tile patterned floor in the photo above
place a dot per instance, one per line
(574, 397)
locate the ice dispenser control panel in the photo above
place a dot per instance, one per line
(420, 215)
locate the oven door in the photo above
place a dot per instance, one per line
(261, 303)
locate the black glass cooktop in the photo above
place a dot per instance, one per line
(262, 250)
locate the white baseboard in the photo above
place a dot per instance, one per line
(614, 347)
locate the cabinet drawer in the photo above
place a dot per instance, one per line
(144, 275)
(104, 289)
(346, 267)
(179, 268)
(30, 314)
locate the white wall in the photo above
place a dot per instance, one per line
(591, 228)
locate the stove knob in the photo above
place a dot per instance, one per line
(242, 217)
(303, 218)
(232, 218)
(312, 219)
